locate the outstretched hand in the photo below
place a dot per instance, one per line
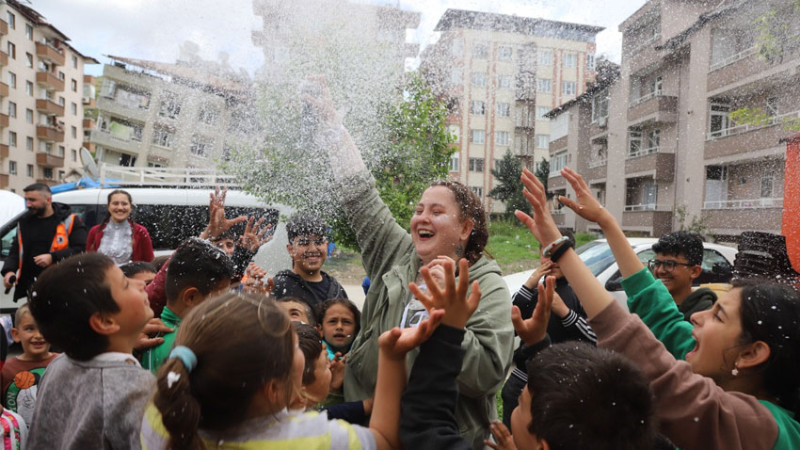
(217, 223)
(532, 330)
(452, 298)
(253, 237)
(541, 225)
(586, 205)
(396, 342)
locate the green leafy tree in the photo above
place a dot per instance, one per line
(509, 188)
(542, 172)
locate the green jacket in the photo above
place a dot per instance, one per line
(391, 263)
(154, 357)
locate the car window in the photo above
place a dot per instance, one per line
(597, 256)
(713, 257)
(646, 255)
(6, 240)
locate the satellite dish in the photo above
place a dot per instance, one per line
(88, 163)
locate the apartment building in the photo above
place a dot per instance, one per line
(153, 114)
(671, 142)
(501, 75)
(41, 99)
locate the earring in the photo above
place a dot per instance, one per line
(735, 371)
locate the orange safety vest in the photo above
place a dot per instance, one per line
(60, 240)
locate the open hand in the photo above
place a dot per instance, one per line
(151, 334)
(217, 223)
(586, 205)
(541, 224)
(337, 371)
(503, 437)
(396, 342)
(453, 298)
(534, 329)
(253, 237)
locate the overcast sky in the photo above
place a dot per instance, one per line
(155, 29)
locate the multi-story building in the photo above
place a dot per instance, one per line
(152, 114)
(41, 123)
(675, 152)
(501, 74)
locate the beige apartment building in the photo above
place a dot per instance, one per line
(661, 139)
(502, 74)
(42, 99)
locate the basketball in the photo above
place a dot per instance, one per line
(24, 380)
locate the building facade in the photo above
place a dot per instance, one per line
(501, 74)
(674, 151)
(42, 99)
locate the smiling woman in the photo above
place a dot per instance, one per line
(118, 237)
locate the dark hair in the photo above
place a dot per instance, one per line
(242, 341)
(310, 313)
(306, 224)
(159, 261)
(471, 209)
(770, 313)
(198, 264)
(227, 234)
(584, 397)
(311, 345)
(119, 191)
(132, 268)
(683, 243)
(65, 296)
(38, 187)
(324, 306)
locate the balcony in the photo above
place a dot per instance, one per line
(88, 124)
(3, 27)
(735, 68)
(560, 143)
(644, 55)
(105, 139)
(49, 133)
(525, 93)
(159, 154)
(742, 139)
(4, 151)
(50, 53)
(656, 108)
(662, 165)
(115, 108)
(646, 218)
(4, 179)
(3, 59)
(556, 181)
(735, 216)
(48, 160)
(49, 81)
(597, 170)
(3, 120)
(49, 107)
(48, 181)
(3, 90)
(89, 102)
(598, 127)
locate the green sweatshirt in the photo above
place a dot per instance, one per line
(391, 263)
(154, 357)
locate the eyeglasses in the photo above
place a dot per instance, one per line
(668, 265)
(305, 242)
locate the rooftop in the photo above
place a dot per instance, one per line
(185, 73)
(477, 20)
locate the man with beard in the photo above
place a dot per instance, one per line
(308, 248)
(45, 236)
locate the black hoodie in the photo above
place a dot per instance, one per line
(290, 284)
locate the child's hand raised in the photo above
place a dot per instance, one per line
(396, 342)
(541, 224)
(453, 298)
(533, 330)
(586, 205)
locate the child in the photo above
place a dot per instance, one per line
(197, 270)
(298, 310)
(341, 321)
(20, 376)
(140, 270)
(94, 395)
(231, 377)
(316, 370)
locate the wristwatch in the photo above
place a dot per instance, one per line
(557, 248)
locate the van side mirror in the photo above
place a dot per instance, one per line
(614, 283)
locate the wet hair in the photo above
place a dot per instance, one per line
(20, 313)
(65, 296)
(324, 306)
(38, 187)
(132, 268)
(583, 397)
(159, 261)
(310, 313)
(311, 345)
(198, 264)
(690, 245)
(242, 342)
(306, 224)
(770, 312)
(471, 209)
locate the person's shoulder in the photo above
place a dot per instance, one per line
(486, 270)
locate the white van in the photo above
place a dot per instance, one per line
(170, 216)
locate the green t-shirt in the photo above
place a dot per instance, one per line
(154, 357)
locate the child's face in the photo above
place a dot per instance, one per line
(130, 296)
(520, 419)
(296, 311)
(34, 347)
(227, 245)
(308, 253)
(145, 276)
(318, 390)
(338, 326)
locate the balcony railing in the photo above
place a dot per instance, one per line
(49, 107)
(641, 152)
(641, 207)
(3, 27)
(49, 133)
(790, 117)
(766, 202)
(50, 53)
(3, 90)
(50, 81)
(3, 59)
(645, 98)
(595, 163)
(4, 150)
(732, 59)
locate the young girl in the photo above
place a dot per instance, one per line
(231, 377)
(341, 321)
(316, 368)
(739, 389)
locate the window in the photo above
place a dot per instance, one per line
(455, 130)
(653, 140)
(501, 138)
(74, 132)
(477, 190)
(454, 163)
(12, 139)
(600, 106)
(476, 136)
(634, 142)
(61, 75)
(47, 173)
(29, 170)
(773, 106)
(29, 88)
(480, 51)
(541, 111)
(476, 164)
(29, 115)
(162, 137)
(477, 108)
(545, 57)
(208, 115)
(504, 53)
(29, 32)
(455, 76)
(201, 146)
(570, 60)
(479, 79)
(74, 62)
(12, 109)
(61, 101)
(12, 80)
(766, 186)
(542, 141)
(544, 85)
(504, 81)
(590, 62)
(170, 107)
(73, 107)
(12, 20)
(12, 167)
(568, 88)
(73, 154)
(656, 85)
(73, 85)
(12, 50)
(29, 143)
(503, 110)
(558, 162)
(719, 122)
(61, 151)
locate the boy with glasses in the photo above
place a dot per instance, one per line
(308, 248)
(677, 264)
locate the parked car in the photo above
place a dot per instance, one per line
(717, 265)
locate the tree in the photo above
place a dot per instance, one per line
(542, 172)
(508, 172)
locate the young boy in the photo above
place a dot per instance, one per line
(298, 310)
(677, 264)
(308, 248)
(20, 376)
(94, 395)
(140, 270)
(197, 271)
